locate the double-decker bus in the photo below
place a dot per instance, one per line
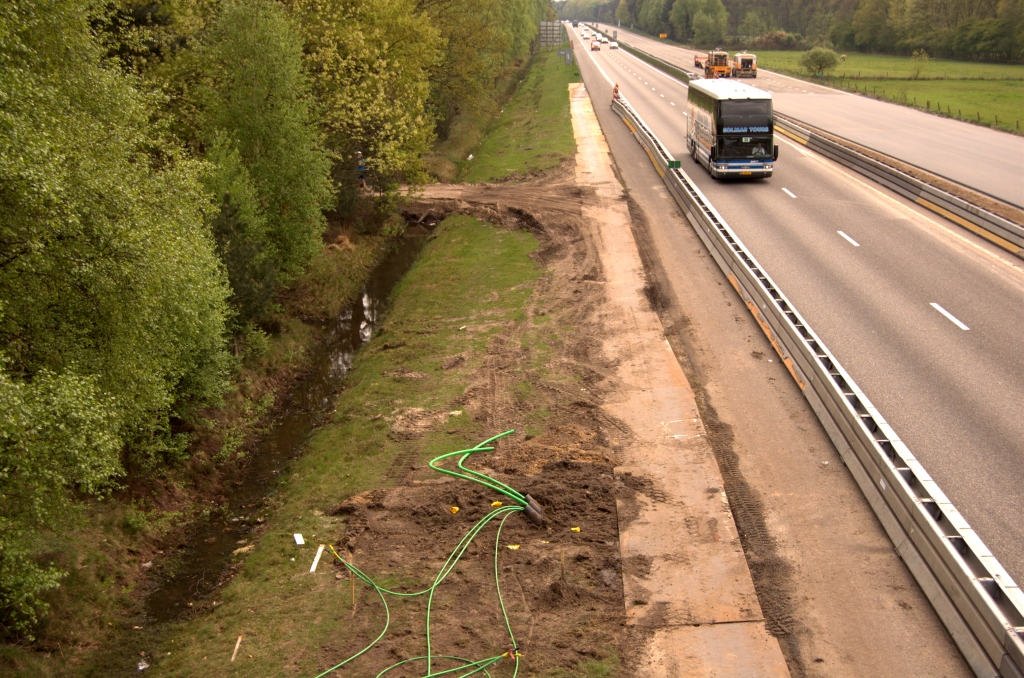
(730, 128)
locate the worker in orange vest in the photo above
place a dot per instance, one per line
(615, 92)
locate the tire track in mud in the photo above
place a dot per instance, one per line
(771, 572)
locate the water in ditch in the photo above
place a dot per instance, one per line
(202, 562)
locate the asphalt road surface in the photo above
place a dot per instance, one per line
(987, 160)
(926, 318)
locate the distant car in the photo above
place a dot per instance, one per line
(595, 46)
(604, 39)
(613, 45)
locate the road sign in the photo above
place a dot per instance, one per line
(550, 33)
(674, 164)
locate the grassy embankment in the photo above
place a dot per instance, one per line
(527, 135)
(471, 281)
(105, 550)
(286, 616)
(977, 92)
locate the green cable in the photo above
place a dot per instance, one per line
(514, 652)
(387, 620)
(483, 663)
(449, 565)
(443, 573)
(477, 477)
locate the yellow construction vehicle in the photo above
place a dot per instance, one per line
(744, 65)
(717, 64)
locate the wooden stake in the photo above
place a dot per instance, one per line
(237, 643)
(352, 583)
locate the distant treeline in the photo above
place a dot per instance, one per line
(165, 167)
(991, 30)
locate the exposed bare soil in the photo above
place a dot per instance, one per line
(562, 588)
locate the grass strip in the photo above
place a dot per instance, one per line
(532, 134)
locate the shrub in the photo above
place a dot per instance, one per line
(819, 60)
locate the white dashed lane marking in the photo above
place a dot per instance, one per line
(849, 239)
(949, 316)
(788, 192)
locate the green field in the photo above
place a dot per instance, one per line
(989, 94)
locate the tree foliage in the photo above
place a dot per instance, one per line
(270, 176)
(165, 166)
(819, 60)
(112, 299)
(968, 29)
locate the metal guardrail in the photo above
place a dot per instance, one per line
(978, 602)
(994, 228)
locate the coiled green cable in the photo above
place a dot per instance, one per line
(505, 512)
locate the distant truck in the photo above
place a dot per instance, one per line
(744, 65)
(716, 64)
(730, 128)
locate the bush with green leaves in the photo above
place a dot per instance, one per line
(112, 298)
(819, 60)
(58, 435)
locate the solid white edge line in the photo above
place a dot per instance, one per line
(949, 316)
(591, 55)
(789, 192)
(849, 239)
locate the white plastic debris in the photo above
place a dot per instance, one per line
(299, 540)
(142, 665)
(470, 157)
(316, 561)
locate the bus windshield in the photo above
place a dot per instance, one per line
(746, 114)
(744, 147)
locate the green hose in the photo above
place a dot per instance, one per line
(472, 667)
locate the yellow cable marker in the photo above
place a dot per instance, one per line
(575, 529)
(514, 547)
(454, 510)
(495, 504)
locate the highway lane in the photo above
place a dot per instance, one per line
(953, 395)
(984, 159)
